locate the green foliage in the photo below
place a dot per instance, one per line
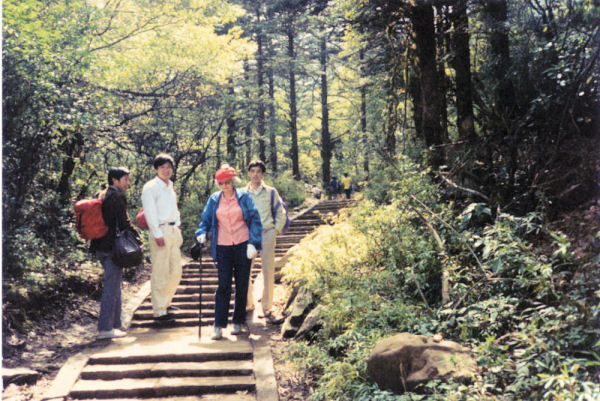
(191, 215)
(527, 315)
(46, 278)
(290, 190)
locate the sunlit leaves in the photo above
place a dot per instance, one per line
(144, 45)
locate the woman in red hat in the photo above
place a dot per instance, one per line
(232, 218)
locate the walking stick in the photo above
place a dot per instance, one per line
(196, 252)
(200, 295)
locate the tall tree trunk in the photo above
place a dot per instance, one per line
(391, 122)
(497, 14)
(72, 150)
(272, 120)
(325, 135)
(247, 129)
(461, 63)
(414, 88)
(218, 143)
(363, 116)
(442, 27)
(230, 140)
(260, 79)
(424, 34)
(293, 107)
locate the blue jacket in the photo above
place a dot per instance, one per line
(251, 217)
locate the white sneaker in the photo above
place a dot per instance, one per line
(114, 333)
(217, 335)
(237, 329)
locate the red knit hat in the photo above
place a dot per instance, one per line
(225, 173)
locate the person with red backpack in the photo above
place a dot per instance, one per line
(273, 216)
(114, 214)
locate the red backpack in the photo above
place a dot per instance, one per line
(140, 220)
(88, 216)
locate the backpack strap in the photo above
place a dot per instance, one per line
(273, 209)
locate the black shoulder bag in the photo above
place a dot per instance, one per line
(127, 250)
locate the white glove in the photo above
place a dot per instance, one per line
(201, 238)
(251, 251)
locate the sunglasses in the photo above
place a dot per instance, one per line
(228, 182)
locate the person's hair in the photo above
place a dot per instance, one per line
(257, 163)
(345, 174)
(163, 158)
(117, 173)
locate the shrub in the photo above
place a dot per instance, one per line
(528, 316)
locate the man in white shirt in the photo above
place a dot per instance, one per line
(160, 208)
(272, 225)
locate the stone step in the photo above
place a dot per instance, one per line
(211, 275)
(184, 307)
(193, 289)
(206, 296)
(183, 322)
(147, 305)
(196, 280)
(238, 396)
(168, 369)
(187, 314)
(153, 352)
(161, 387)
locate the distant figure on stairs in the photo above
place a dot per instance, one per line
(346, 183)
(333, 188)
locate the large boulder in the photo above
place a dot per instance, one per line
(401, 362)
(302, 304)
(312, 323)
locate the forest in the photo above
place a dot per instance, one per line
(469, 127)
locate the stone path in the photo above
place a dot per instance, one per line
(173, 362)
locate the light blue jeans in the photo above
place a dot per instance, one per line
(110, 303)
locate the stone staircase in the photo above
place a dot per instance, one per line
(171, 361)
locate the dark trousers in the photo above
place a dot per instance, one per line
(232, 262)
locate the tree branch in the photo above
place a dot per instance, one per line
(464, 189)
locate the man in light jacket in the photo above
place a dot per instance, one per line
(160, 208)
(265, 198)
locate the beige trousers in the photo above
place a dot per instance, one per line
(166, 269)
(267, 256)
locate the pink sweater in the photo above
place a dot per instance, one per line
(232, 227)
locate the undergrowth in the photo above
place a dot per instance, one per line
(528, 316)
